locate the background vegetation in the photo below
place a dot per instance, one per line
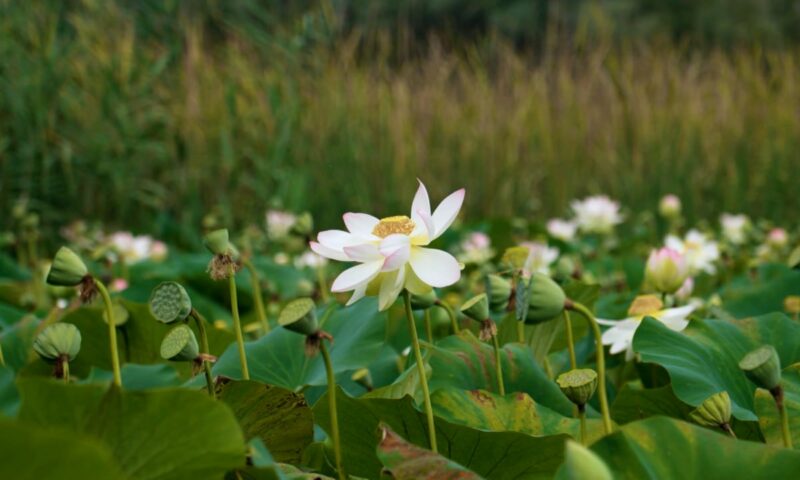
(148, 115)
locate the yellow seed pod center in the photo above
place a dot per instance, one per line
(645, 305)
(391, 225)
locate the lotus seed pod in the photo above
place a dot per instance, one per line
(169, 302)
(580, 463)
(476, 308)
(67, 270)
(305, 287)
(546, 299)
(299, 316)
(218, 243)
(714, 411)
(180, 345)
(303, 225)
(121, 315)
(565, 268)
(423, 302)
(762, 367)
(578, 385)
(498, 289)
(57, 340)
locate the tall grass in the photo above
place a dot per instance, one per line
(99, 121)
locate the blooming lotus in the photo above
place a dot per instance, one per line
(279, 223)
(560, 229)
(596, 214)
(311, 260)
(136, 248)
(734, 227)
(476, 248)
(666, 270)
(700, 252)
(620, 335)
(540, 257)
(391, 253)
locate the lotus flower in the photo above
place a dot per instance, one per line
(391, 253)
(734, 227)
(560, 229)
(700, 252)
(540, 257)
(596, 214)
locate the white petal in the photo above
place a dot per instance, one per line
(358, 294)
(326, 252)
(447, 211)
(437, 268)
(356, 276)
(396, 248)
(365, 252)
(424, 229)
(360, 223)
(421, 202)
(391, 286)
(337, 239)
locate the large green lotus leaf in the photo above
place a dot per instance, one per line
(281, 419)
(758, 298)
(703, 360)
(17, 342)
(407, 461)
(138, 377)
(278, 358)
(661, 447)
(11, 269)
(489, 454)
(10, 314)
(264, 467)
(768, 418)
(462, 361)
(516, 412)
(31, 452)
(634, 403)
(158, 434)
(9, 397)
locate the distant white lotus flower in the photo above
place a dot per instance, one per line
(596, 214)
(540, 257)
(734, 227)
(311, 260)
(391, 253)
(279, 223)
(563, 230)
(777, 238)
(476, 248)
(699, 251)
(136, 248)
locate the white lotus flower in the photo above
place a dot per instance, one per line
(540, 257)
(311, 260)
(476, 248)
(700, 252)
(620, 335)
(596, 214)
(279, 223)
(560, 229)
(137, 248)
(734, 227)
(391, 251)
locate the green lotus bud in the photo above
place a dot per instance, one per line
(762, 367)
(565, 268)
(121, 315)
(424, 302)
(180, 344)
(715, 411)
(218, 243)
(300, 316)
(578, 385)
(476, 308)
(305, 287)
(31, 221)
(546, 299)
(498, 289)
(580, 463)
(169, 302)
(58, 340)
(67, 270)
(303, 225)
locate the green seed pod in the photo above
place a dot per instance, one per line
(57, 340)
(67, 269)
(580, 463)
(299, 316)
(121, 315)
(578, 385)
(169, 302)
(546, 299)
(565, 267)
(218, 243)
(715, 411)
(180, 345)
(762, 367)
(423, 302)
(303, 225)
(305, 287)
(476, 308)
(498, 289)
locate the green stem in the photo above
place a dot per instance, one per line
(601, 362)
(582, 417)
(499, 366)
(112, 331)
(520, 331)
(573, 363)
(428, 327)
(65, 368)
(423, 379)
(787, 435)
(323, 286)
(337, 447)
(237, 324)
(258, 298)
(727, 428)
(2, 358)
(201, 327)
(451, 314)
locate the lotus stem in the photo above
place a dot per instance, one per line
(2, 358)
(573, 363)
(423, 379)
(582, 417)
(601, 361)
(501, 388)
(323, 285)
(65, 368)
(520, 331)
(428, 327)
(201, 327)
(112, 331)
(258, 297)
(451, 314)
(237, 324)
(727, 428)
(777, 394)
(337, 446)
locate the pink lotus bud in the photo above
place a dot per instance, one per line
(666, 270)
(670, 206)
(777, 238)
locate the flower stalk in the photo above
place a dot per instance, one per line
(451, 314)
(112, 331)
(573, 363)
(237, 324)
(258, 297)
(421, 371)
(337, 446)
(201, 327)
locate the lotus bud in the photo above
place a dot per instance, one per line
(578, 385)
(715, 411)
(424, 301)
(546, 299)
(57, 341)
(669, 206)
(777, 238)
(169, 302)
(303, 225)
(565, 268)
(180, 345)
(580, 463)
(762, 367)
(499, 291)
(121, 315)
(305, 287)
(67, 270)
(666, 270)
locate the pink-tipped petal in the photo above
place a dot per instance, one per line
(447, 211)
(366, 252)
(360, 224)
(421, 202)
(356, 276)
(436, 268)
(326, 252)
(337, 239)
